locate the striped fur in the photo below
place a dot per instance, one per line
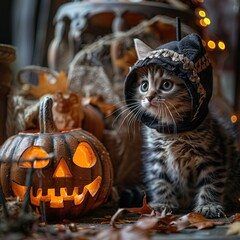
(192, 169)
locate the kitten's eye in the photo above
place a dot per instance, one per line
(144, 86)
(166, 85)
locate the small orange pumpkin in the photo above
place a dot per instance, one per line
(77, 179)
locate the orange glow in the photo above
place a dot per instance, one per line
(92, 188)
(31, 153)
(211, 44)
(55, 201)
(202, 23)
(62, 170)
(221, 45)
(84, 156)
(234, 118)
(58, 201)
(19, 190)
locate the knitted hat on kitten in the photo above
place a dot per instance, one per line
(187, 59)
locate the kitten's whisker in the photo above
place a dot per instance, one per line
(154, 118)
(126, 117)
(118, 109)
(121, 104)
(170, 113)
(115, 111)
(121, 112)
(181, 118)
(118, 105)
(130, 119)
(166, 114)
(160, 112)
(133, 120)
(141, 112)
(190, 93)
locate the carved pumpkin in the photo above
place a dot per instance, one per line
(78, 177)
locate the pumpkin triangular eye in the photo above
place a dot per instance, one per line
(28, 156)
(84, 156)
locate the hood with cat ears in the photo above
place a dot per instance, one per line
(187, 59)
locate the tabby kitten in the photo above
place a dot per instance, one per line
(190, 159)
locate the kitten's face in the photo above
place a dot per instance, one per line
(163, 95)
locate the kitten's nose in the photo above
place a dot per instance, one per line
(150, 98)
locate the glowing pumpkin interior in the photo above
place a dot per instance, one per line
(84, 157)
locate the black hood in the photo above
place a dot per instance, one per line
(187, 59)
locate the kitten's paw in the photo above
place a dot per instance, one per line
(210, 210)
(167, 207)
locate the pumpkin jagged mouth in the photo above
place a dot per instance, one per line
(58, 201)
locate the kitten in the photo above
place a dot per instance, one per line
(190, 158)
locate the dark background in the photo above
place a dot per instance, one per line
(28, 25)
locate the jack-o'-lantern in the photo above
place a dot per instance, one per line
(76, 179)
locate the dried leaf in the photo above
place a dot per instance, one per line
(141, 230)
(234, 228)
(145, 209)
(181, 223)
(164, 224)
(199, 221)
(194, 219)
(236, 217)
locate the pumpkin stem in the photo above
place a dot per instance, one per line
(46, 122)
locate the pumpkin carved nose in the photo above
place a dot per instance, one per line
(62, 170)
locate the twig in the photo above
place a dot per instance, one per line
(28, 183)
(3, 202)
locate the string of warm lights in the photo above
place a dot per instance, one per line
(204, 21)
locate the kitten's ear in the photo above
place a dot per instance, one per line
(141, 48)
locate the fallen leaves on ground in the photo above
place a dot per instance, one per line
(132, 223)
(164, 223)
(151, 221)
(140, 230)
(236, 217)
(234, 227)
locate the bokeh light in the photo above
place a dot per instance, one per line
(211, 44)
(234, 118)
(202, 23)
(202, 13)
(207, 21)
(221, 45)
